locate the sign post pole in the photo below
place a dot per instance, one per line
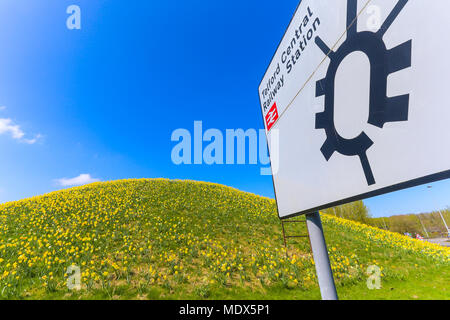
(445, 223)
(423, 226)
(321, 258)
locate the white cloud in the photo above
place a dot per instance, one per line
(7, 126)
(82, 179)
(2, 108)
(32, 141)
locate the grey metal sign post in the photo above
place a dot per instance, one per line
(321, 258)
(423, 226)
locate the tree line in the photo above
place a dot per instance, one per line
(428, 225)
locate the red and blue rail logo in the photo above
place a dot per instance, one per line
(271, 117)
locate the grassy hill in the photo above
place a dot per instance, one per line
(161, 239)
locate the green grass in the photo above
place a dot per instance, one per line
(161, 239)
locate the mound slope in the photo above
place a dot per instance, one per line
(156, 239)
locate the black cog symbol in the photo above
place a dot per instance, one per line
(383, 62)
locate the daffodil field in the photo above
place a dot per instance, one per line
(157, 239)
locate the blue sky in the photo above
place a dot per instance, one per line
(103, 101)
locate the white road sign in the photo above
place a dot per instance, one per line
(358, 96)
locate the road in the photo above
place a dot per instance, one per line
(442, 241)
